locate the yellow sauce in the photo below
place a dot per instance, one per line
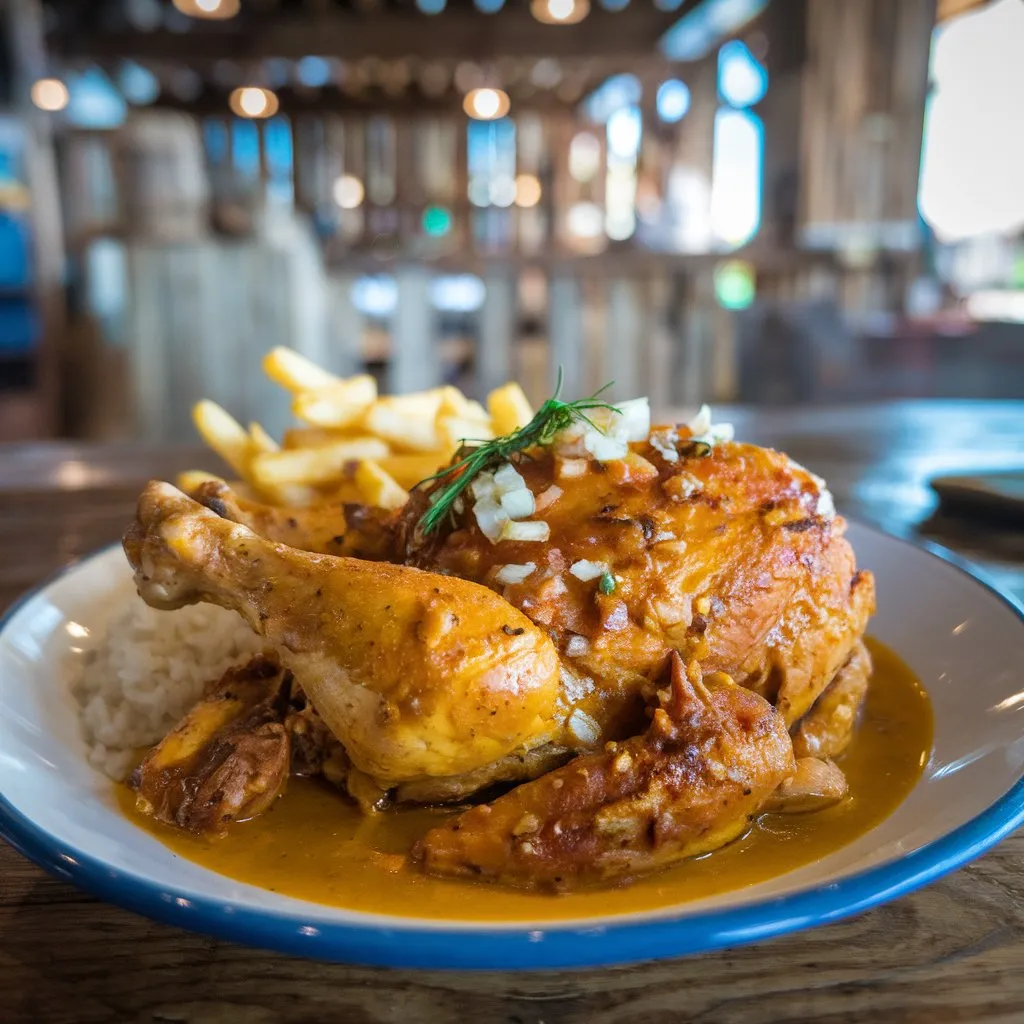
(313, 844)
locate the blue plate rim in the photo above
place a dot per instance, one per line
(515, 947)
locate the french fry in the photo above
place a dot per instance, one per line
(453, 430)
(403, 423)
(337, 405)
(455, 403)
(295, 372)
(510, 409)
(377, 487)
(224, 434)
(262, 441)
(316, 437)
(192, 479)
(344, 491)
(409, 469)
(311, 466)
(288, 495)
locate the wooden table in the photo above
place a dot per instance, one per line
(953, 952)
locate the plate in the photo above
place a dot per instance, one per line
(962, 639)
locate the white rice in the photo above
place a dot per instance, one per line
(147, 670)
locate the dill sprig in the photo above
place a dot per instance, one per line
(476, 457)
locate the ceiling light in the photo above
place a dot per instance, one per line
(50, 94)
(216, 10)
(486, 104)
(253, 101)
(348, 192)
(502, 192)
(560, 12)
(528, 190)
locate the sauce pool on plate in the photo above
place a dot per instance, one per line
(315, 845)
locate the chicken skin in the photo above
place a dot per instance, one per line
(228, 759)
(416, 674)
(329, 528)
(712, 755)
(734, 557)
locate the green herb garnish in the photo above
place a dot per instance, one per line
(475, 457)
(606, 584)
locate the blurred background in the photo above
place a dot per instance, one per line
(796, 202)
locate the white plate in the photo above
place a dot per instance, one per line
(964, 641)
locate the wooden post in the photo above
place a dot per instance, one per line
(624, 337)
(497, 330)
(414, 361)
(565, 334)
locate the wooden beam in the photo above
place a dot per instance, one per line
(458, 34)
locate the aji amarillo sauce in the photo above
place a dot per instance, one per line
(315, 845)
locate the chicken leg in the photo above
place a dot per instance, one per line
(417, 674)
(330, 529)
(711, 758)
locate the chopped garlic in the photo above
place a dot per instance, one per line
(513, 573)
(586, 570)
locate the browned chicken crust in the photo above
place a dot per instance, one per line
(826, 730)
(711, 757)
(227, 759)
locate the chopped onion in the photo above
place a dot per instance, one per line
(703, 432)
(604, 447)
(664, 442)
(701, 423)
(586, 570)
(507, 478)
(577, 646)
(547, 497)
(491, 518)
(532, 530)
(570, 469)
(513, 573)
(483, 486)
(583, 727)
(633, 422)
(518, 504)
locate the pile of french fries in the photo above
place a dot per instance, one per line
(350, 444)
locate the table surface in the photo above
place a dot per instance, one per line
(952, 952)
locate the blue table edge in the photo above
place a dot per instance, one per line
(605, 942)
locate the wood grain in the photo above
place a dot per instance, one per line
(952, 952)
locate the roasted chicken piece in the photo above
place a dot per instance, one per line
(227, 759)
(712, 755)
(418, 675)
(813, 785)
(438, 677)
(331, 528)
(826, 730)
(734, 557)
